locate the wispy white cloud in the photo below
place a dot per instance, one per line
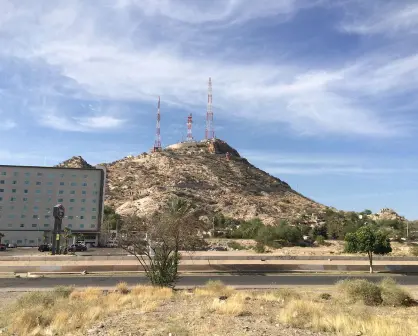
(7, 124)
(383, 17)
(81, 124)
(110, 52)
(329, 164)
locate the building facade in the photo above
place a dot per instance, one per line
(28, 195)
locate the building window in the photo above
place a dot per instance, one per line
(48, 209)
(81, 226)
(25, 207)
(60, 200)
(12, 207)
(50, 183)
(39, 174)
(14, 191)
(35, 216)
(36, 208)
(61, 192)
(27, 174)
(34, 225)
(94, 201)
(93, 217)
(25, 191)
(23, 216)
(3, 173)
(62, 183)
(94, 184)
(61, 175)
(74, 175)
(9, 225)
(72, 200)
(71, 208)
(46, 225)
(1, 181)
(70, 217)
(37, 200)
(92, 226)
(49, 199)
(81, 217)
(47, 216)
(38, 191)
(82, 209)
(94, 192)
(73, 184)
(19, 241)
(1, 190)
(26, 182)
(72, 192)
(93, 209)
(51, 175)
(38, 183)
(25, 199)
(12, 199)
(1, 199)
(14, 182)
(31, 242)
(85, 176)
(83, 200)
(84, 184)
(11, 216)
(49, 192)
(15, 174)
(70, 225)
(84, 192)
(22, 225)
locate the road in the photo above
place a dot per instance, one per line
(246, 281)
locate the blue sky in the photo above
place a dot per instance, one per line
(320, 93)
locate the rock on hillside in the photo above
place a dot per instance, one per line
(387, 214)
(200, 172)
(75, 162)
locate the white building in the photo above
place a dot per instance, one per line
(28, 195)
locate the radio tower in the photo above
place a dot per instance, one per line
(189, 128)
(209, 132)
(157, 143)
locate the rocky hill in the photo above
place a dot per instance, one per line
(200, 172)
(75, 162)
(387, 214)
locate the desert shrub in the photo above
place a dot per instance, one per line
(414, 250)
(361, 290)
(325, 296)
(122, 288)
(63, 291)
(320, 240)
(248, 229)
(214, 288)
(260, 248)
(393, 295)
(279, 235)
(236, 246)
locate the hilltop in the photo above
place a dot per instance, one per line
(200, 172)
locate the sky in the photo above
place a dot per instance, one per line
(319, 93)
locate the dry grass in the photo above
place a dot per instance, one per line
(336, 318)
(212, 309)
(59, 312)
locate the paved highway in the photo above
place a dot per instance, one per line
(247, 281)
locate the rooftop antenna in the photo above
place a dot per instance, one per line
(157, 143)
(209, 132)
(189, 128)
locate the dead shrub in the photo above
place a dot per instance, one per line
(360, 290)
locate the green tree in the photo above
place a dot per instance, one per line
(156, 241)
(368, 240)
(366, 212)
(111, 220)
(66, 235)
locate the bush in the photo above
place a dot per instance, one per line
(282, 234)
(320, 240)
(361, 290)
(236, 246)
(325, 296)
(260, 248)
(393, 295)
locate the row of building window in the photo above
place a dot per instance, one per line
(46, 225)
(50, 192)
(36, 208)
(50, 175)
(50, 183)
(59, 200)
(11, 216)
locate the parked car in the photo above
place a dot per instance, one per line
(45, 248)
(77, 248)
(2, 247)
(12, 245)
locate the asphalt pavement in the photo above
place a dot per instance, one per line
(244, 281)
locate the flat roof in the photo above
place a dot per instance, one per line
(45, 167)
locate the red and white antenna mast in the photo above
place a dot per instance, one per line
(189, 128)
(157, 143)
(209, 132)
